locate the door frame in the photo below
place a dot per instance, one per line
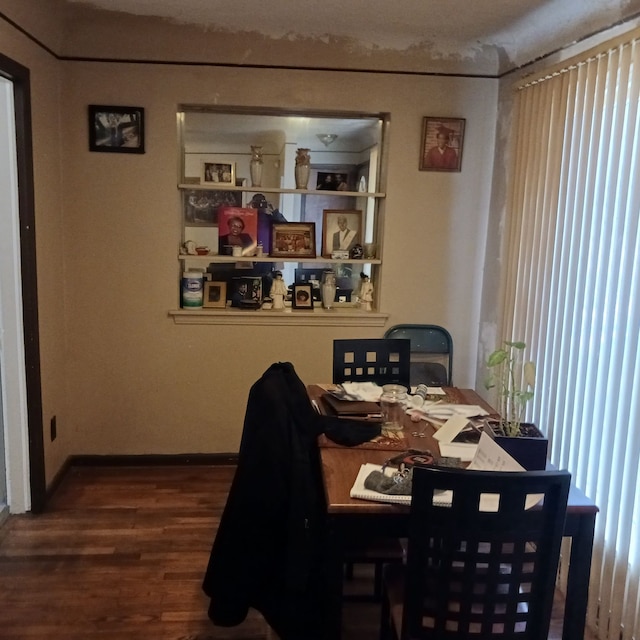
(20, 77)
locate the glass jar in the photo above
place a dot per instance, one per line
(393, 401)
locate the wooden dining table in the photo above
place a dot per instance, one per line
(351, 519)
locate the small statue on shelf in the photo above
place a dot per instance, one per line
(278, 290)
(366, 293)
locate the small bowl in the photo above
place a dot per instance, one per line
(202, 251)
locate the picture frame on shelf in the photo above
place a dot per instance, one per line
(200, 206)
(246, 292)
(237, 230)
(442, 142)
(302, 296)
(293, 240)
(115, 129)
(218, 173)
(341, 230)
(215, 295)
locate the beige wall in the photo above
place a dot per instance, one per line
(135, 382)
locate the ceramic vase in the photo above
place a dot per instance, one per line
(303, 168)
(255, 166)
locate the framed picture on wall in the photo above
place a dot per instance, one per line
(442, 140)
(116, 129)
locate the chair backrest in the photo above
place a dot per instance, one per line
(484, 574)
(431, 352)
(377, 360)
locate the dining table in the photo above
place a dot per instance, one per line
(354, 520)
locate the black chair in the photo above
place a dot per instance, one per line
(477, 574)
(378, 360)
(431, 352)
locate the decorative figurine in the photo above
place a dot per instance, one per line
(366, 292)
(278, 290)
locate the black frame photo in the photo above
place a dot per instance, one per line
(116, 129)
(442, 140)
(302, 296)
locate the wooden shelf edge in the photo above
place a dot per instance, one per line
(222, 259)
(311, 192)
(289, 317)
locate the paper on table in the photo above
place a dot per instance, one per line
(451, 428)
(463, 450)
(431, 391)
(492, 457)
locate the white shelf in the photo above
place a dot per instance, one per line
(309, 192)
(346, 317)
(221, 259)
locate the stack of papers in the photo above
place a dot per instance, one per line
(489, 456)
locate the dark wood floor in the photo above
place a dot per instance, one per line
(120, 554)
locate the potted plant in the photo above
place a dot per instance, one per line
(514, 378)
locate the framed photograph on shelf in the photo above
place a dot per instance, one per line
(341, 230)
(442, 140)
(302, 296)
(201, 206)
(218, 173)
(116, 129)
(293, 240)
(237, 231)
(215, 295)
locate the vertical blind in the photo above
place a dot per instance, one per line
(572, 293)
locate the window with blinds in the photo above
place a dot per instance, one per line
(572, 293)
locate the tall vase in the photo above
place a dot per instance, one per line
(255, 166)
(303, 168)
(328, 290)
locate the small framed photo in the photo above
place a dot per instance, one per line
(116, 129)
(302, 296)
(442, 140)
(215, 295)
(218, 173)
(293, 240)
(341, 230)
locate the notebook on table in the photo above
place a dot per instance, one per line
(351, 408)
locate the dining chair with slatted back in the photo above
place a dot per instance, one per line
(379, 360)
(481, 562)
(431, 352)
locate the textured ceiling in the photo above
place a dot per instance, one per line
(520, 29)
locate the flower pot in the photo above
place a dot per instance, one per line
(529, 450)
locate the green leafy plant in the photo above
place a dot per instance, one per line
(514, 380)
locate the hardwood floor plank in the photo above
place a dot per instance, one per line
(120, 554)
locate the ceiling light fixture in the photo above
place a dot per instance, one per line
(327, 138)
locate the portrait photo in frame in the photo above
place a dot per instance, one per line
(218, 173)
(341, 230)
(302, 296)
(116, 129)
(442, 140)
(215, 295)
(293, 240)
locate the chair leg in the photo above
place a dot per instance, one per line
(385, 619)
(348, 570)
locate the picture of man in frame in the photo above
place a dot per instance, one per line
(344, 238)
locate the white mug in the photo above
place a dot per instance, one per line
(237, 252)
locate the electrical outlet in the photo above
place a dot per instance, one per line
(54, 428)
